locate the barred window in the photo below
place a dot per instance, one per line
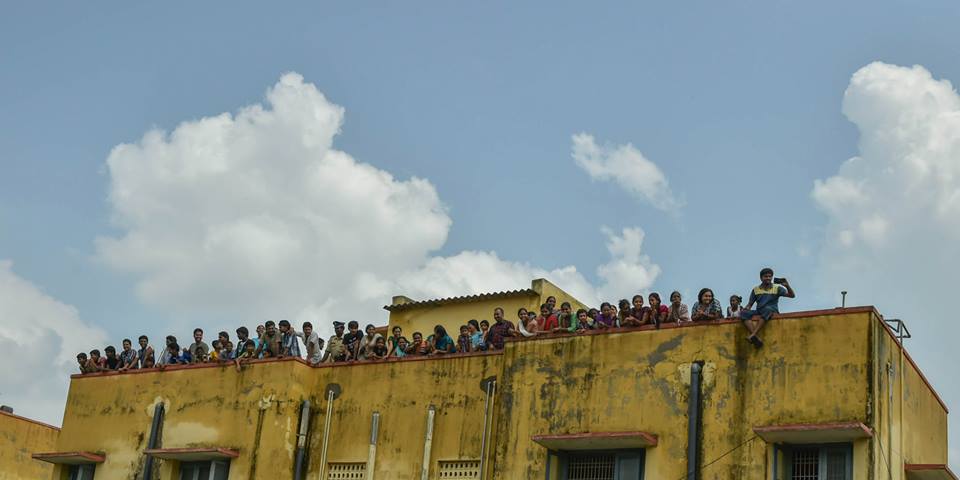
(346, 471)
(459, 470)
(592, 467)
(820, 462)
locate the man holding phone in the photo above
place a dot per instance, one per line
(766, 296)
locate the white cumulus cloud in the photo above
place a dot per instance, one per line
(256, 215)
(626, 273)
(892, 235)
(44, 336)
(257, 210)
(627, 167)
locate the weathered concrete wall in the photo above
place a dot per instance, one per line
(254, 411)
(910, 421)
(402, 391)
(19, 438)
(639, 381)
(815, 368)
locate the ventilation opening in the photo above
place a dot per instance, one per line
(459, 470)
(346, 471)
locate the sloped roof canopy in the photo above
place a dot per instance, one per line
(70, 458)
(928, 472)
(597, 440)
(800, 433)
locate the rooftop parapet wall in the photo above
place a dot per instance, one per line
(206, 405)
(813, 369)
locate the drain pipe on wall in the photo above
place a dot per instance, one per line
(372, 455)
(488, 385)
(155, 426)
(333, 391)
(428, 443)
(302, 439)
(693, 425)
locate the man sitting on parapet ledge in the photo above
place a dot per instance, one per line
(766, 296)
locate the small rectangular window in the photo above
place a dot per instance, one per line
(81, 472)
(829, 462)
(459, 469)
(346, 471)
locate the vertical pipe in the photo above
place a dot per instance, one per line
(155, 427)
(326, 434)
(491, 387)
(372, 455)
(693, 426)
(302, 439)
(428, 443)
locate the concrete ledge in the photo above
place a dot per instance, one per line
(801, 433)
(927, 471)
(70, 458)
(596, 440)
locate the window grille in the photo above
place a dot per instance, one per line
(459, 470)
(346, 471)
(592, 467)
(828, 462)
(806, 464)
(836, 465)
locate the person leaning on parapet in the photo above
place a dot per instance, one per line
(352, 339)
(567, 322)
(145, 355)
(243, 339)
(707, 307)
(198, 349)
(128, 357)
(677, 311)
(289, 347)
(270, 341)
(500, 329)
(249, 353)
(312, 341)
(657, 312)
(336, 349)
(766, 296)
(164, 357)
(733, 311)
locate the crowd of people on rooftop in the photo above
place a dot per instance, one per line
(280, 339)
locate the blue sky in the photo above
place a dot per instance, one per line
(739, 105)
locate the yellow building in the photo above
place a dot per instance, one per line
(19, 438)
(421, 316)
(832, 395)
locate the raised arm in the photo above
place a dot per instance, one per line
(790, 293)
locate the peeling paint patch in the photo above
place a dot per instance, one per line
(186, 433)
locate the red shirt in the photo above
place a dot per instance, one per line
(547, 324)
